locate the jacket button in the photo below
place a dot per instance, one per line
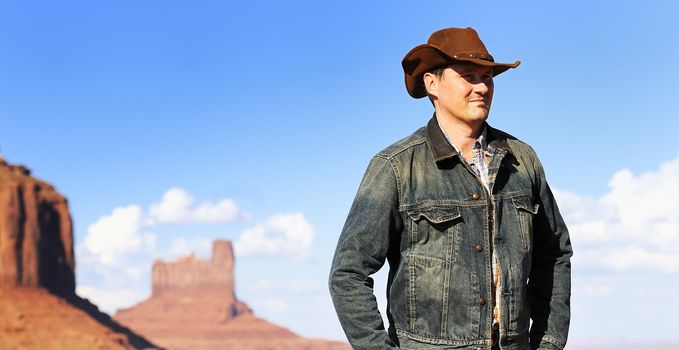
(479, 248)
(482, 301)
(479, 348)
(475, 196)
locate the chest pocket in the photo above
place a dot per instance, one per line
(434, 233)
(526, 211)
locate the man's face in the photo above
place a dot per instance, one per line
(464, 91)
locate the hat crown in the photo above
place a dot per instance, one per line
(458, 41)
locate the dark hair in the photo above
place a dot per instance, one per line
(438, 71)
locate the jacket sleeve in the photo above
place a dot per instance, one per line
(362, 248)
(549, 285)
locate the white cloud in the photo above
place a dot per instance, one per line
(114, 259)
(282, 234)
(634, 226)
(177, 206)
(117, 234)
(629, 257)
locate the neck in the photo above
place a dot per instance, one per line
(463, 134)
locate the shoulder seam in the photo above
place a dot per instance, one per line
(397, 175)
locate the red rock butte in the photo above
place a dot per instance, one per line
(38, 305)
(188, 290)
(193, 306)
(191, 273)
(36, 235)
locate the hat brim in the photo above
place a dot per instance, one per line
(423, 58)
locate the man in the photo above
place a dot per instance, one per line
(463, 213)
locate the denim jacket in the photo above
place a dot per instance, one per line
(422, 209)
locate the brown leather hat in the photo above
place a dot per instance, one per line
(447, 46)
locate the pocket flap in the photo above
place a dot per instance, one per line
(435, 215)
(525, 203)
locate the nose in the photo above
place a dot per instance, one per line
(481, 88)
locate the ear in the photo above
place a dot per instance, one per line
(431, 84)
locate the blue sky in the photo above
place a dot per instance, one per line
(265, 115)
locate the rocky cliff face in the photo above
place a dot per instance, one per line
(193, 306)
(36, 235)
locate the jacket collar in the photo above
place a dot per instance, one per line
(441, 149)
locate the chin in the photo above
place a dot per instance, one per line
(479, 117)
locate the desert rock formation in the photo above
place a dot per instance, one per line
(38, 305)
(189, 290)
(36, 238)
(188, 272)
(193, 306)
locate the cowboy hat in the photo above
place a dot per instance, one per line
(444, 47)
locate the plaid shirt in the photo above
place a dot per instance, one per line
(485, 162)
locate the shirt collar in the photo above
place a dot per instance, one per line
(442, 149)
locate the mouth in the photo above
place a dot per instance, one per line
(478, 98)
(481, 102)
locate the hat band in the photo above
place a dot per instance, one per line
(478, 55)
